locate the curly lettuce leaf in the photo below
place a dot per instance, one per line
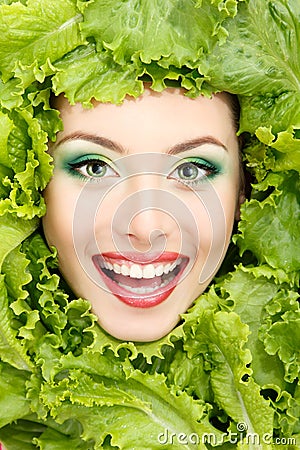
(105, 394)
(57, 440)
(190, 375)
(13, 402)
(220, 338)
(11, 94)
(85, 74)
(11, 348)
(68, 321)
(31, 35)
(27, 434)
(182, 32)
(13, 268)
(280, 333)
(141, 399)
(286, 414)
(250, 296)
(15, 231)
(282, 338)
(121, 59)
(286, 149)
(6, 127)
(141, 354)
(29, 163)
(270, 226)
(264, 71)
(200, 375)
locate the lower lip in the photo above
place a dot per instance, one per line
(142, 300)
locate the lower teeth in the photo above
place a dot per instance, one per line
(143, 290)
(166, 279)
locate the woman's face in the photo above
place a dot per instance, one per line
(141, 205)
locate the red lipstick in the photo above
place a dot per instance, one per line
(141, 280)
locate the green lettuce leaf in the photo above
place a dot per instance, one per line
(11, 94)
(282, 338)
(266, 228)
(26, 155)
(286, 149)
(286, 416)
(15, 231)
(68, 321)
(220, 339)
(234, 359)
(85, 74)
(280, 331)
(36, 35)
(27, 434)
(6, 128)
(125, 50)
(248, 296)
(264, 71)
(56, 440)
(13, 404)
(141, 399)
(182, 32)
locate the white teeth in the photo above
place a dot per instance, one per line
(136, 271)
(141, 271)
(173, 266)
(143, 290)
(125, 270)
(149, 271)
(117, 268)
(167, 268)
(159, 270)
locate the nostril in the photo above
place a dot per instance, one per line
(155, 240)
(157, 234)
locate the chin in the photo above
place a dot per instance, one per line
(127, 323)
(138, 334)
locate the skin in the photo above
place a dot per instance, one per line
(83, 214)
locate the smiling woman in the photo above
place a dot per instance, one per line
(163, 160)
(130, 317)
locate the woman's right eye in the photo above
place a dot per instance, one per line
(92, 168)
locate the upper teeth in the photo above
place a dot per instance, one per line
(141, 271)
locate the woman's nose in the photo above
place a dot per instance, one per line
(150, 228)
(145, 218)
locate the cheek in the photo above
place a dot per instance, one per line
(214, 211)
(57, 223)
(215, 218)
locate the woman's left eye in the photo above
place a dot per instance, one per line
(93, 169)
(194, 171)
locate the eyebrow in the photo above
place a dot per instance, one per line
(193, 143)
(114, 146)
(95, 139)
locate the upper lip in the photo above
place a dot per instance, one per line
(141, 258)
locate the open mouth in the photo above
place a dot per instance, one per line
(141, 283)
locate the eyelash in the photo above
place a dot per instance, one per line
(201, 165)
(74, 168)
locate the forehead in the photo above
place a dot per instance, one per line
(158, 120)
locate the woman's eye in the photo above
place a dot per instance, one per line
(193, 172)
(93, 169)
(188, 171)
